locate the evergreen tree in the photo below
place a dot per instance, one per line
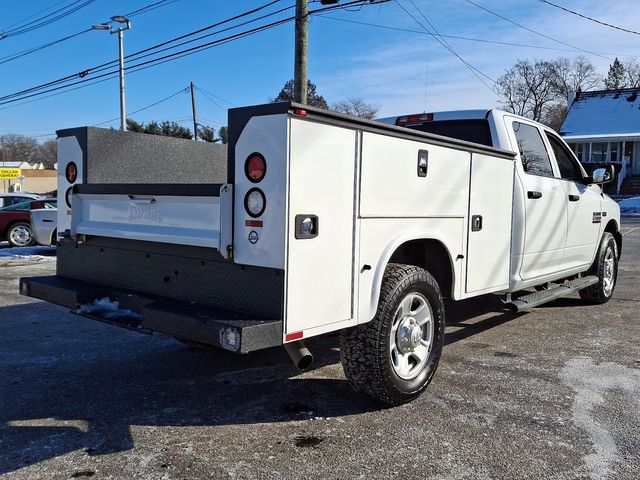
(313, 97)
(616, 76)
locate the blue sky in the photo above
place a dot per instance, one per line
(387, 67)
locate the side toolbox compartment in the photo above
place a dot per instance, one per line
(489, 227)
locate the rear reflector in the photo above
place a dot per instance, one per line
(290, 337)
(417, 118)
(253, 223)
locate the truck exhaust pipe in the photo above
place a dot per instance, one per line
(300, 355)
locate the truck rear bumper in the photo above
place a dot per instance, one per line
(146, 313)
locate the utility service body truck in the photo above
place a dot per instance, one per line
(317, 222)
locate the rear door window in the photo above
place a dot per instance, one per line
(533, 153)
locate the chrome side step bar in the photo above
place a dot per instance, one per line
(527, 302)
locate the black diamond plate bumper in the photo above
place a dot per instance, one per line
(237, 332)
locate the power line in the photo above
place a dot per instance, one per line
(148, 8)
(106, 65)
(44, 21)
(476, 72)
(29, 51)
(534, 31)
(590, 18)
(457, 37)
(208, 97)
(216, 96)
(34, 14)
(44, 88)
(183, 90)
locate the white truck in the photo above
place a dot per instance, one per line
(323, 222)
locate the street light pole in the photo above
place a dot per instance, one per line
(120, 31)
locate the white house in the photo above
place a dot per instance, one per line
(604, 127)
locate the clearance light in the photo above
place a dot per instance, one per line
(300, 112)
(71, 172)
(255, 202)
(255, 167)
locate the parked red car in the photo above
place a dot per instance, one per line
(15, 221)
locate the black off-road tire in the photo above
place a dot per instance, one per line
(365, 349)
(597, 294)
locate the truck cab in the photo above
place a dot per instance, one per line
(559, 213)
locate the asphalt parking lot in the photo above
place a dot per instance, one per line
(554, 393)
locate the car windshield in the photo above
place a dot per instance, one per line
(18, 206)
(50, 204)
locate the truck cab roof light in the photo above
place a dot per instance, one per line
(300, 112)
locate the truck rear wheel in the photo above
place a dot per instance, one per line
(393, 357)
(605, 267)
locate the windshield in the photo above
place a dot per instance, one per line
(19, 206)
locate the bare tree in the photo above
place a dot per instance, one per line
(17, 148)
(356, 107)
(555, 116)
(46, 153)
(576, 76)
(529, 88)
(632, 73)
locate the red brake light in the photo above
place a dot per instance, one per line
(417, 118)
(255, 167)
(71, 172)
(300, 112)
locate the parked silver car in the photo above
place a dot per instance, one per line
(43, 225)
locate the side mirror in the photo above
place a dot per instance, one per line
(604, 174)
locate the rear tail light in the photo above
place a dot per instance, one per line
(255, 202)
(71, 172)
(255, 167)
(417, 118)
(67, 196)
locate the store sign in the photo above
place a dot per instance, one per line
(9, 172)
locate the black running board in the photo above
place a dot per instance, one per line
(234, 331)
(527, 302)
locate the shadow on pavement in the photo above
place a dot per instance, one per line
(86, 385)
(73, 384)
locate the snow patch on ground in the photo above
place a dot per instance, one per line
(591, 382)
(30, 254)
(630, 207)
(107, 308)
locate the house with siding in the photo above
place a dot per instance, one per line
(604, 127)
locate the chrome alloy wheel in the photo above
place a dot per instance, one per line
(411, 336)
(20, 236)
(609, 270)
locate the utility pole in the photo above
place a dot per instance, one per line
(193, 109)
(300, 61)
